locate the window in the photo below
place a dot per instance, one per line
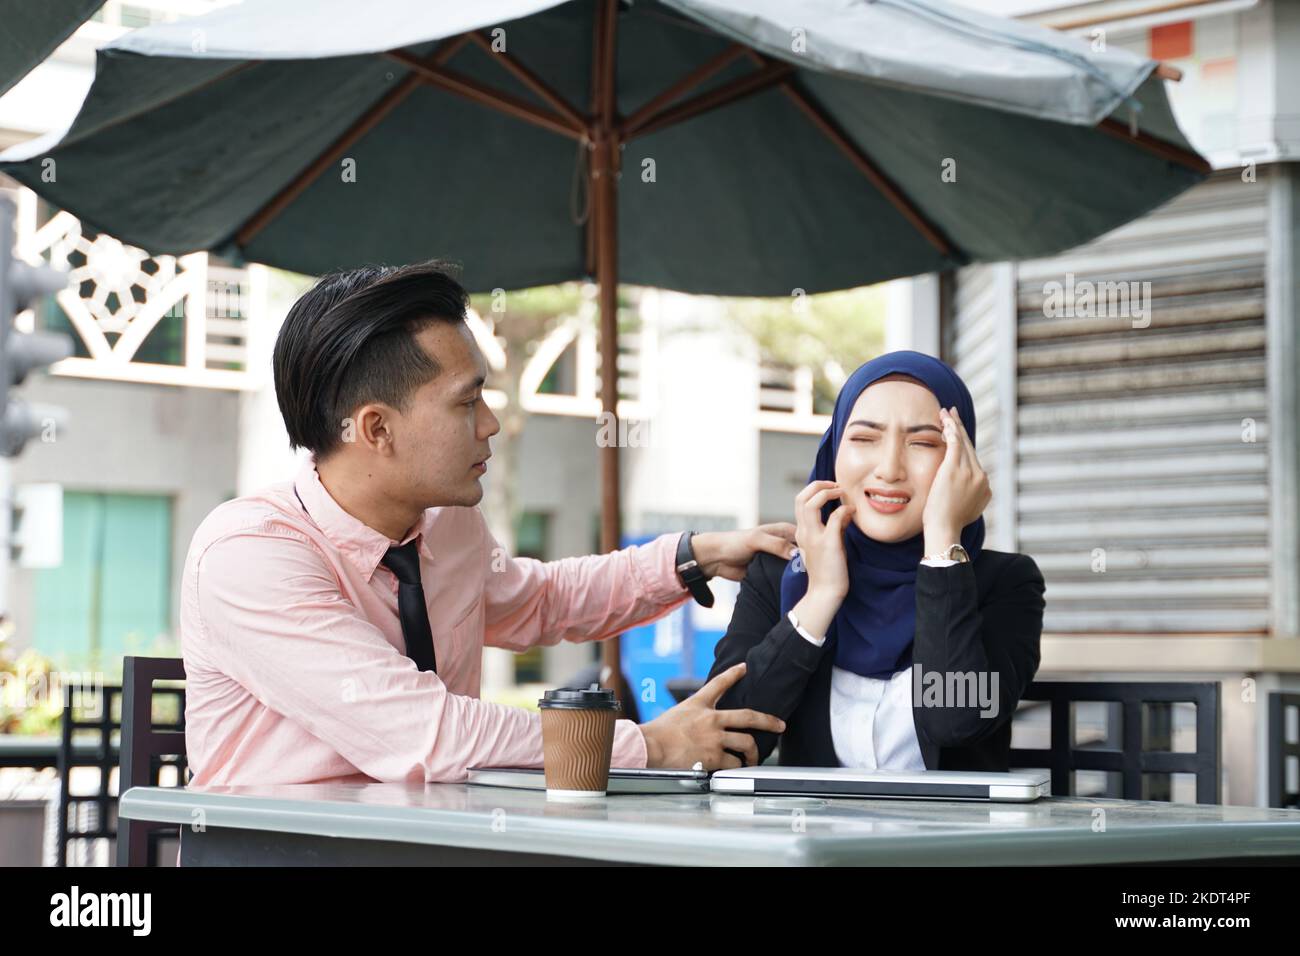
(112, 594)
(532, 535)
(532, 539)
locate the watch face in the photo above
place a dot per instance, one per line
(958, 553)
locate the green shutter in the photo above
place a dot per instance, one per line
(112, 594)
(135, 592)
(532, 535)
(65, 595)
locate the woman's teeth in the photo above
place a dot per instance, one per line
(891, 501)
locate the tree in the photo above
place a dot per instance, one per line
(831, 333)
(519, 321)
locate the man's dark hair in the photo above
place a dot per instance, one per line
(350, 340)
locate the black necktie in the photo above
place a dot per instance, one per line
(404, 561)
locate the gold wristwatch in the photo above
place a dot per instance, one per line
(954, 552)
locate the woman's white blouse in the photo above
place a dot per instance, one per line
(871, 718)
(871, 721)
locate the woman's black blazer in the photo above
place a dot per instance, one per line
(982, 616)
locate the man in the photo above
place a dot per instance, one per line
(333, 627)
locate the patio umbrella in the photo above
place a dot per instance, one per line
(712, 146)
(29, 32)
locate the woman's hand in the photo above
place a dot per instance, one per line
(960, 491)
(822, 548)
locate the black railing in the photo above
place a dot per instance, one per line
(1143, 754)
(1283, 750)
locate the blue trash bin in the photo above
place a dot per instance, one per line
(679, 644)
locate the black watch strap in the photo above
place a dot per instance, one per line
(688, 569)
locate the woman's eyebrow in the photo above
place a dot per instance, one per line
(911, 429)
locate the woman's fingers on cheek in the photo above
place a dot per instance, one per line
(806, 495)
(808, 491)
(817, 501)
(836, 519)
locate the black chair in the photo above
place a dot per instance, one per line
(1142, 754)
(91, 817)
(1283, 750)
(1144, 749)
(146, 748)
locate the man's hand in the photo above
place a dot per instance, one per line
(694, 731)
(727, 554)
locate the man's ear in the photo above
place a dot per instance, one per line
(372, 427)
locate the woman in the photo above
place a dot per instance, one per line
(893, 639)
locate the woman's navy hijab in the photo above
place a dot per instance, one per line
(873, 630)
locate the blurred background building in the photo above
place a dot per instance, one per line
(1149, 464)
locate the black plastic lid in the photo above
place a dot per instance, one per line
(594, 697)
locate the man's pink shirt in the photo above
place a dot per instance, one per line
(295, 665)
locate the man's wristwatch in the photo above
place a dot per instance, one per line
(954, 552)
(689, 570)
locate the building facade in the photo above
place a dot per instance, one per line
(1137, 395)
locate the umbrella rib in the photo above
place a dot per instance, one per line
(532, 81)
(832, 131)
(770, 75)
(1155, 146)
(506, 103)
(685, 85)
(363, 125)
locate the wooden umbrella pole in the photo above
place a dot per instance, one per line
(604, 176)
(603, 183)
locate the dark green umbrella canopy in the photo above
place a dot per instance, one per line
(835, 167)
(30, 30)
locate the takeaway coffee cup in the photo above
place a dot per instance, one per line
(577, 740)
